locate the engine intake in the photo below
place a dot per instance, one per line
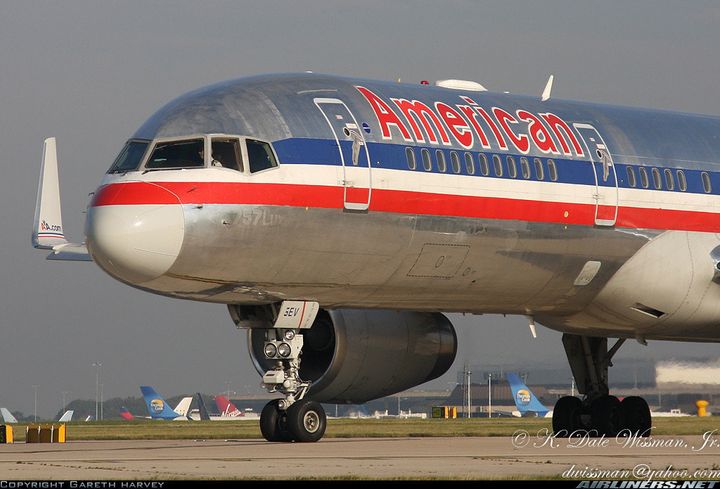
(356, 355)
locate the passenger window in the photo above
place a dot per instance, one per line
(484, 167)
(656, 178)
(260, 155)
(226, 153)
(130, 157)
(440, 157)
(632, 181)
(497, 166)
(469, 164)
(706, 182)
(539, 171)
(644, 181)
(682, 182)
(410, 158)
(512, 169)
(552, 170)
(455, 161)
(427, 163)
(669, 180)
(525, 167)
(188, 153)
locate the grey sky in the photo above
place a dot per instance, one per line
(91, 72)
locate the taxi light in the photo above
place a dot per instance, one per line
(284, 350)
(270, 350)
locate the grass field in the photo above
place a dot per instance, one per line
(344, 428)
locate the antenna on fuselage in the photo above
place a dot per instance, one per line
(531, 325)
(548, 88)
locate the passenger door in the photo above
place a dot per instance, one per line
(606, 184)
(352, 150)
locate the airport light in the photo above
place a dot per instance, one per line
(97, 366)
(467, 402)
(35, 388)
(64, 394)
(490, 395)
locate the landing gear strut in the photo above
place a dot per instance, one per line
(598, 412)
(292, 418)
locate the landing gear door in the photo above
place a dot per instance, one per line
(606, 184)
(352, 151)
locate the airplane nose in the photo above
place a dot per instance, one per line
(135, 230)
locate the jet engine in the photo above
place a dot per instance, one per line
(353, 355)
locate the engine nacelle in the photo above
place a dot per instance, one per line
(356, 355)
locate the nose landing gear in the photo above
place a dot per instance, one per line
(291, 418)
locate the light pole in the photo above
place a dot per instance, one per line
(97, 366)
(64, 394)
(490, 395)
(35, 388)
(468, 390)
(101, 402)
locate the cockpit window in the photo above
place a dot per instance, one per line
(130, 157)
(226, 153)
(260, 155)
(188, 153)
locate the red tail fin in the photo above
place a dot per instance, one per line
(226, 407)
(126, 415)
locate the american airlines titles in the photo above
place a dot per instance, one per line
(470, 125)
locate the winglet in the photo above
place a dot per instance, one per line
(48, 228)
(548, 89)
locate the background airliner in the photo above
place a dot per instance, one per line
(159, 409)
(338, 219)
(525, 401)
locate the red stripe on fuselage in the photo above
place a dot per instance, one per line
(397, 201)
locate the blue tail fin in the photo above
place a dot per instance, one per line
(524, 398)
(156, 405)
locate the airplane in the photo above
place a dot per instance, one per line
(525, 401)
(159, 409)
(227, 411)
(226, 407)
(126, 414)
(66, 417)
(203, 413)
(7, 416)
(342, 218)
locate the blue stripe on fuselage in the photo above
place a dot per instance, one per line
(392, 157)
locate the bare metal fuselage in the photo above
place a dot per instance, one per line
(428, 240)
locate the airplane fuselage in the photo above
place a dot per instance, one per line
(384, 195)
